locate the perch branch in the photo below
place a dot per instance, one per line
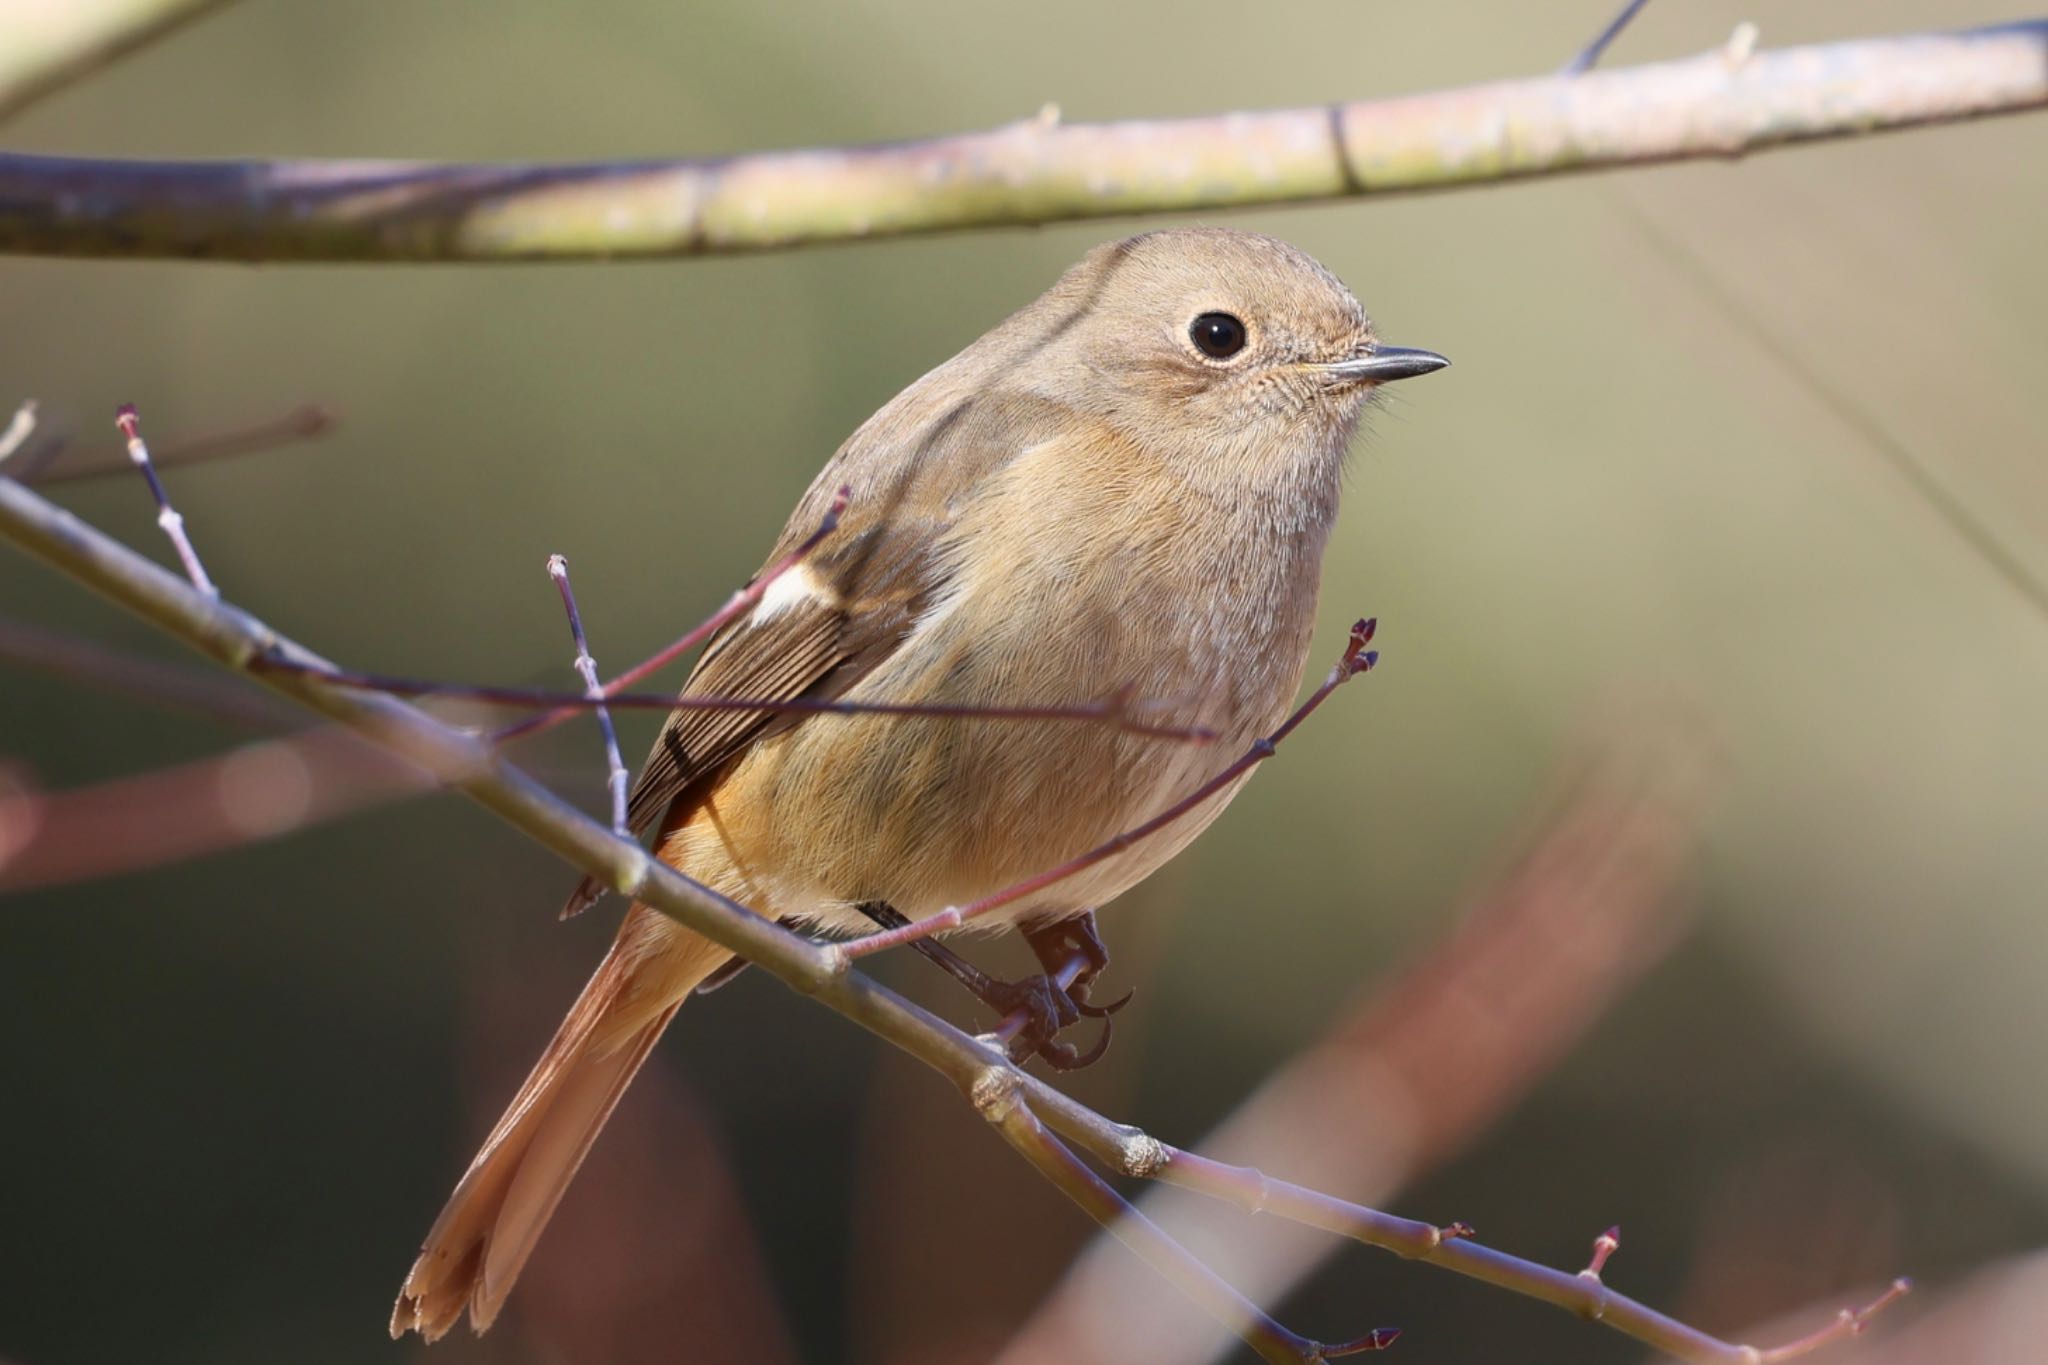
(472, 764)
(1721, 104)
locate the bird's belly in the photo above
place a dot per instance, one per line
(929, 812)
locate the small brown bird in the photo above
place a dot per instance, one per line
(1125, 486)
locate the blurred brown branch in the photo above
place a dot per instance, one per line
(1724, 103)
(1006, 1096)
(46, 45)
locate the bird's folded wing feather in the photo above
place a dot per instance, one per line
(876, 573)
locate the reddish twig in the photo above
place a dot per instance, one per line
(1356, 659)
(1604, 1246)
(1850, 1322)
(586, 667)
(739, 602)
(167, 516)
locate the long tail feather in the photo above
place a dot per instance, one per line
(478, 1245)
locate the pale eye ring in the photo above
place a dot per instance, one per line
(1217, 335)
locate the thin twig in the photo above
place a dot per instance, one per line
(616, 776)
(1590, 56)
(1850, 1322)
(167, 516)
(739, 603)
(1039, 170)
(302, 423)
(996, 1097)
(1118, 710)
(1355, 660)
(1855, 416)
(478, 768)
(18, 430)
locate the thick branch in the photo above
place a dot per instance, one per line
(473, 764)
(1720, 104)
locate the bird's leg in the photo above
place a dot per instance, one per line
(1047, 1006)
(1058, 941)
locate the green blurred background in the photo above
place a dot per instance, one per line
(236, 1090)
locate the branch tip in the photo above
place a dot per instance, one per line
(1849, 1322)
(1378, 1339)
(1604, 1246)
(18, 430)
(130, 423)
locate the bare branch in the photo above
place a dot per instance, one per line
(44, 48)
(1724, 103)
(997, 1098)
(167, 516)
(586, 667)
(474, 765)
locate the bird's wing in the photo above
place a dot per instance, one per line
(874, 575)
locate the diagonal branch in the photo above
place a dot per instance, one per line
(45, 47)
(1724, 103)
(474, 765)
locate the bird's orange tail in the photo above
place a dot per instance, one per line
(477, 1246)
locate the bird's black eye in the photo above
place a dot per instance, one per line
(1217, 335)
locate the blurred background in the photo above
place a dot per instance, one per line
(1680, 868)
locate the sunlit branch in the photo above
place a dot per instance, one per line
(1728, 102)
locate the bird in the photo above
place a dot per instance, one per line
(1126, 486)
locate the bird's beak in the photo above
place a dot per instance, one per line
(1384, 365)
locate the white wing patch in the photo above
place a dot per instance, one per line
(795, 588)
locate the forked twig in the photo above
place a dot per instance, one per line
(167, 516)
(741, 601)
(1355, 660)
